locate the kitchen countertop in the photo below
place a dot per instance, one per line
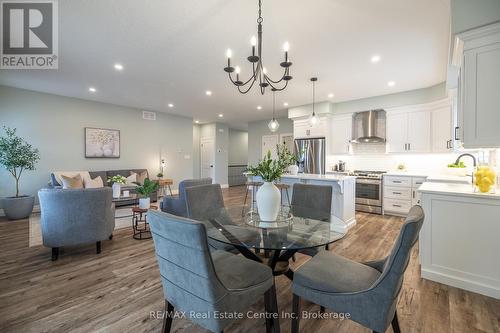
(461, 190)
(327, 177)
(407, 173)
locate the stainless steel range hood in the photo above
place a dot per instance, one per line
(369, 127)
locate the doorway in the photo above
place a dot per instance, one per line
(269, 143)
(207, 152)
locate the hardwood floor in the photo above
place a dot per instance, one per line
(117, 290)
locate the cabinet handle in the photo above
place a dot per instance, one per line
(409, 146)
(394, 205)
(396, 192)
(405, 146)
(396, 181)
(456, 132)
(413, 194)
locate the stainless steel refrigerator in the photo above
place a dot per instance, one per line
(311, 153)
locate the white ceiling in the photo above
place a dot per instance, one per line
(173, 51)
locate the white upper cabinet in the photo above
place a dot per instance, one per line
(442, 130)
(302, 129)
(479, 94)
(408, 132)
(397, 132)
(341, 134)
(419, 131)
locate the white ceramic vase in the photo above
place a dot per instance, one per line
(293, 169)
(144, 203)
(116, 190)
(268, 202)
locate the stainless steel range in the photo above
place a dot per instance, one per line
(369, 191)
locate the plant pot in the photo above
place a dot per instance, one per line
(144, 203)
(293, 169)
(268, 202)
(116, 190)
(17, 208)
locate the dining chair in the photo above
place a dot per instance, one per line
(201, 283)
(177, 204)
(367, 291)
(312, 202)
(206, 202)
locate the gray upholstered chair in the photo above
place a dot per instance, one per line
(176, 205)
(199, 282)
(312, 202)
(205, 202)
(76, 216)
(369, 291)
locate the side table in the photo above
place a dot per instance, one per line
(140, 224)
(164, 183)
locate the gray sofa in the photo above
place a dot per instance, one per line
(110, 173)
(76, 216)
(176, 205)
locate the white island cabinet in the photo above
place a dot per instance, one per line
(460, 237)
(343, 214)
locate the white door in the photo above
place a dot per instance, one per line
(441, 130)
(287, 140)
(207, 158)
(397, 132)
(341, 131)
(269, 143)
(419, 132)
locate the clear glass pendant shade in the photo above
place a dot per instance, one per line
(313, 120)
(273, 125)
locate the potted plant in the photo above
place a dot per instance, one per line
(117, 182)
(16, 156)
(268, 195)
(145, 192)
(288, 158)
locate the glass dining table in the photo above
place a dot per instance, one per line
(271, 243)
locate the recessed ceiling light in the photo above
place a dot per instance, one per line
(170, 105)
(118, 67)
(92, 89)
(196, 121)
(208, 93)
(375, 58)
(259, 107)
(391, 83)
(285, 104)
(331, 95)
(221, 115)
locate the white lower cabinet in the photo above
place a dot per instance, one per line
(400, 193)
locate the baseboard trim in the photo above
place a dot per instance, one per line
(466, 284)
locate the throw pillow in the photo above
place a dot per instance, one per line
(131, 180)
(140, 176)
(94, 183)
(72, 182)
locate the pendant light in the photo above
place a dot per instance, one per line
(313, 119)
(273, 124)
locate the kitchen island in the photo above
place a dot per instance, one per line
(459, 241)
(343, 215)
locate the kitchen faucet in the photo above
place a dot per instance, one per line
(474, 162)
(466, 154)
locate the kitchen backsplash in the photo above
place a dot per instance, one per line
(373, 157)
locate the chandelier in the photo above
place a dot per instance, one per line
(259, 72)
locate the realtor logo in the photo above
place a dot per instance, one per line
(29, 34)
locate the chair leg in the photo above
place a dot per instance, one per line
(395, 323)
(327, 247)
(322, 309)
(244, 202)
(168, 317)
(98, 247)
(111, 237)
(55, 253)
(267, 306)
(295, 313)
